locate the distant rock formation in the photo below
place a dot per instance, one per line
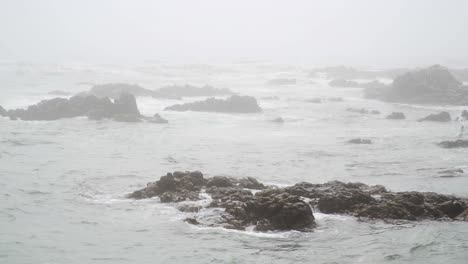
(440, 117)
(114, 90)
(175, 91)
(459, 143)
(353, 84)
(278, 120)
(396, 115)
(363, 111)
(314, 100)
(433, 85)
(233, 104)
(123, 109)
(272, 208)
(281, 81)
(59, 92)
(360, 141)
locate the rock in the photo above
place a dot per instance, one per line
(363, 111)
(335, 99)
(233, 104)
(114, 90)
(157, 119)
(278, 120)
(3, 112)
(396, 115)
(281, 81)
(314, 100)
(433, 85)
(440, 117)
(219, 181)
(290, 208)
(178, 91)
(91, 106)
(59, 92)
(459, 143)
(343, 83)
(360, 141)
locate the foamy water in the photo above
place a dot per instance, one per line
(63, 183)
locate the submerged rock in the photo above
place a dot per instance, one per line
(158, 119)
(233, 104)
(396, 115)
(433, 85)
(440, 117)
(278, 120)
(459, 143)
(360, 141)
(290, 208)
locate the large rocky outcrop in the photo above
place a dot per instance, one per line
(123, 109)
(233, 104)
(290, 208)
(433, 85)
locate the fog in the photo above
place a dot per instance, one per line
(365, 32)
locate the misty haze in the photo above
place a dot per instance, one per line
(233, 131)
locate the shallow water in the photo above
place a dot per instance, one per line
(63, 182)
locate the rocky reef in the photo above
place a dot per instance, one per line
(363, 111)
(246, 203)
(433, 85)
(440, 117)
(360, 141)
(233, 104)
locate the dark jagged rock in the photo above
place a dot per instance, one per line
(459, 143)
(396, 115)
(290, 208)
(94, 108)
(233, 104)
(433, 85)
(175, 91)
(3, 112)
(363, 111)
(59, 92)
(360, 141)
(281, 81)
(440, 117)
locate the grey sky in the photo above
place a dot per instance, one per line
(363, 32)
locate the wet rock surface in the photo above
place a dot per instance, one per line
(440, 117)
(271, 208)
(233, 104)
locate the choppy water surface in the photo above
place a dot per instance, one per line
(62, 183)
